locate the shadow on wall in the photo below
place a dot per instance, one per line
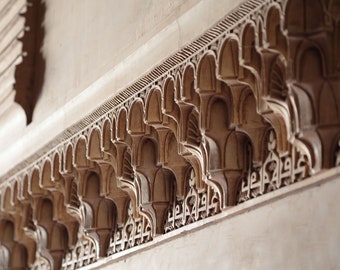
(29, 75)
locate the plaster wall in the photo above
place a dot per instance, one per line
(275, 231)
(86, 39)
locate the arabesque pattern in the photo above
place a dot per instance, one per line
(249, 107)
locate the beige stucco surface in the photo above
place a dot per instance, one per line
(84, 39)
(298, 229)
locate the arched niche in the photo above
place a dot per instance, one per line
(13, 253)
(105, 218)
(169, 96)
(121, 125)
(277, 80)
(248, 110)
(153, 109)
(228, 67)
(56, 166)
(236, 152)
(114, 129)
(80, 150)
(45, 212)
(57, 243)
(310, 64)
(252, 123)
(178, 86)
(68, 159)
(46, 175)
(94, 148)
(25, 187)
(219, 116)
(163, 195)
(19, 257)
(136, 118)
(206, 73)
(192, 133)
(7, 199)
(7, 229)
(305, 107)
(237, 158)
(188, 89)
(175, 162)
(92, 186)
(328, 103)
(304, 16)
(101, 211)
(275, 37)
(106, 134)
(249, 54)
(214, 154)
(16, 193)
(35, 188)
(148, 156)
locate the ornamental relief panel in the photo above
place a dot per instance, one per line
(248, 108)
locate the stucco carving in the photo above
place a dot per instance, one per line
(133, 232)
(277, 170)
(196, 205)
(249, 107)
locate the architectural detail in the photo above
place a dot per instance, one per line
(41, 263)
(84, 253)
(278, 169)
(249, 107)
(135, 231)
(197, 204)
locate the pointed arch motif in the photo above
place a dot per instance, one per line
(153, 114)
(228, 67)
(206, 73)
(94, 144)
(234, 115)
(136, 121)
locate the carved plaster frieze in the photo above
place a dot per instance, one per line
(247, 108)
(197, 204)
(134, 232)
